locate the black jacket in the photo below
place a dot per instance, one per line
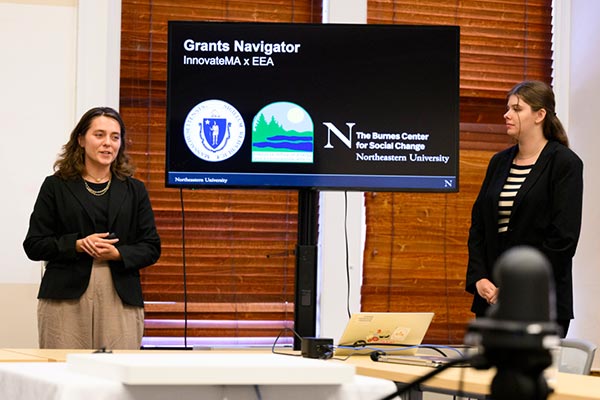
(60, 217)
(546, 215)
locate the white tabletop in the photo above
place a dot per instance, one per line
(208, 368)
(56, 381)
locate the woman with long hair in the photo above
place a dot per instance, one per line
(531, 195)
(93, 225)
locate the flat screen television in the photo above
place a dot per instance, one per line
(321, 106)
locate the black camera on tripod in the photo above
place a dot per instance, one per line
(518, 331)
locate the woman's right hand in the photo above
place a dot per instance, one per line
(487, 290)
(96, 245)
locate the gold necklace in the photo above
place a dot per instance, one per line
(97, 192)
(97, 179)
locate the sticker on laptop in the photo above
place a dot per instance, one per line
(398, 335)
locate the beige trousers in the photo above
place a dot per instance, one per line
(98, 319)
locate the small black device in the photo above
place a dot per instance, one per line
(321, 348)
(111, 236)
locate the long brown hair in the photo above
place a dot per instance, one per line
(540, 95)
(70, 163)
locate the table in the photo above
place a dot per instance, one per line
(471, 381)
(9, 355)
(48, 380)
(474, 382)
(60, 355)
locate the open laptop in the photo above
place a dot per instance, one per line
(391, 332)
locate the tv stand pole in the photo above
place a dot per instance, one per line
(305, 307)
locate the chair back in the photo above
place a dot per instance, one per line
(576, 356)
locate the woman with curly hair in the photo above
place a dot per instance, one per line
(93, 225)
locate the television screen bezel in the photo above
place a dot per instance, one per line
(319, 181)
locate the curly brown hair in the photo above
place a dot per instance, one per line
(70, 163)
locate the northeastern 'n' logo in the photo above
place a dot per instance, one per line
(214, 130)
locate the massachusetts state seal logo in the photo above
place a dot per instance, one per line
(214, 130)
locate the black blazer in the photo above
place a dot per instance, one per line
(546, 215)
(60, 217)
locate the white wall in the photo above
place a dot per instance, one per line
(37, 43)
(58, 60)
(37, 70)
(584, 123)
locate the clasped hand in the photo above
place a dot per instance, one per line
(487, 290)
(99, 247)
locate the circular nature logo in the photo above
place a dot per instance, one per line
(283, 132)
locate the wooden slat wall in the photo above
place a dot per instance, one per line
(416, 244)
(239, 244)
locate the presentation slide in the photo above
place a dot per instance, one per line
(325, 106)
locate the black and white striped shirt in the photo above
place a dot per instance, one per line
(513, 183)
